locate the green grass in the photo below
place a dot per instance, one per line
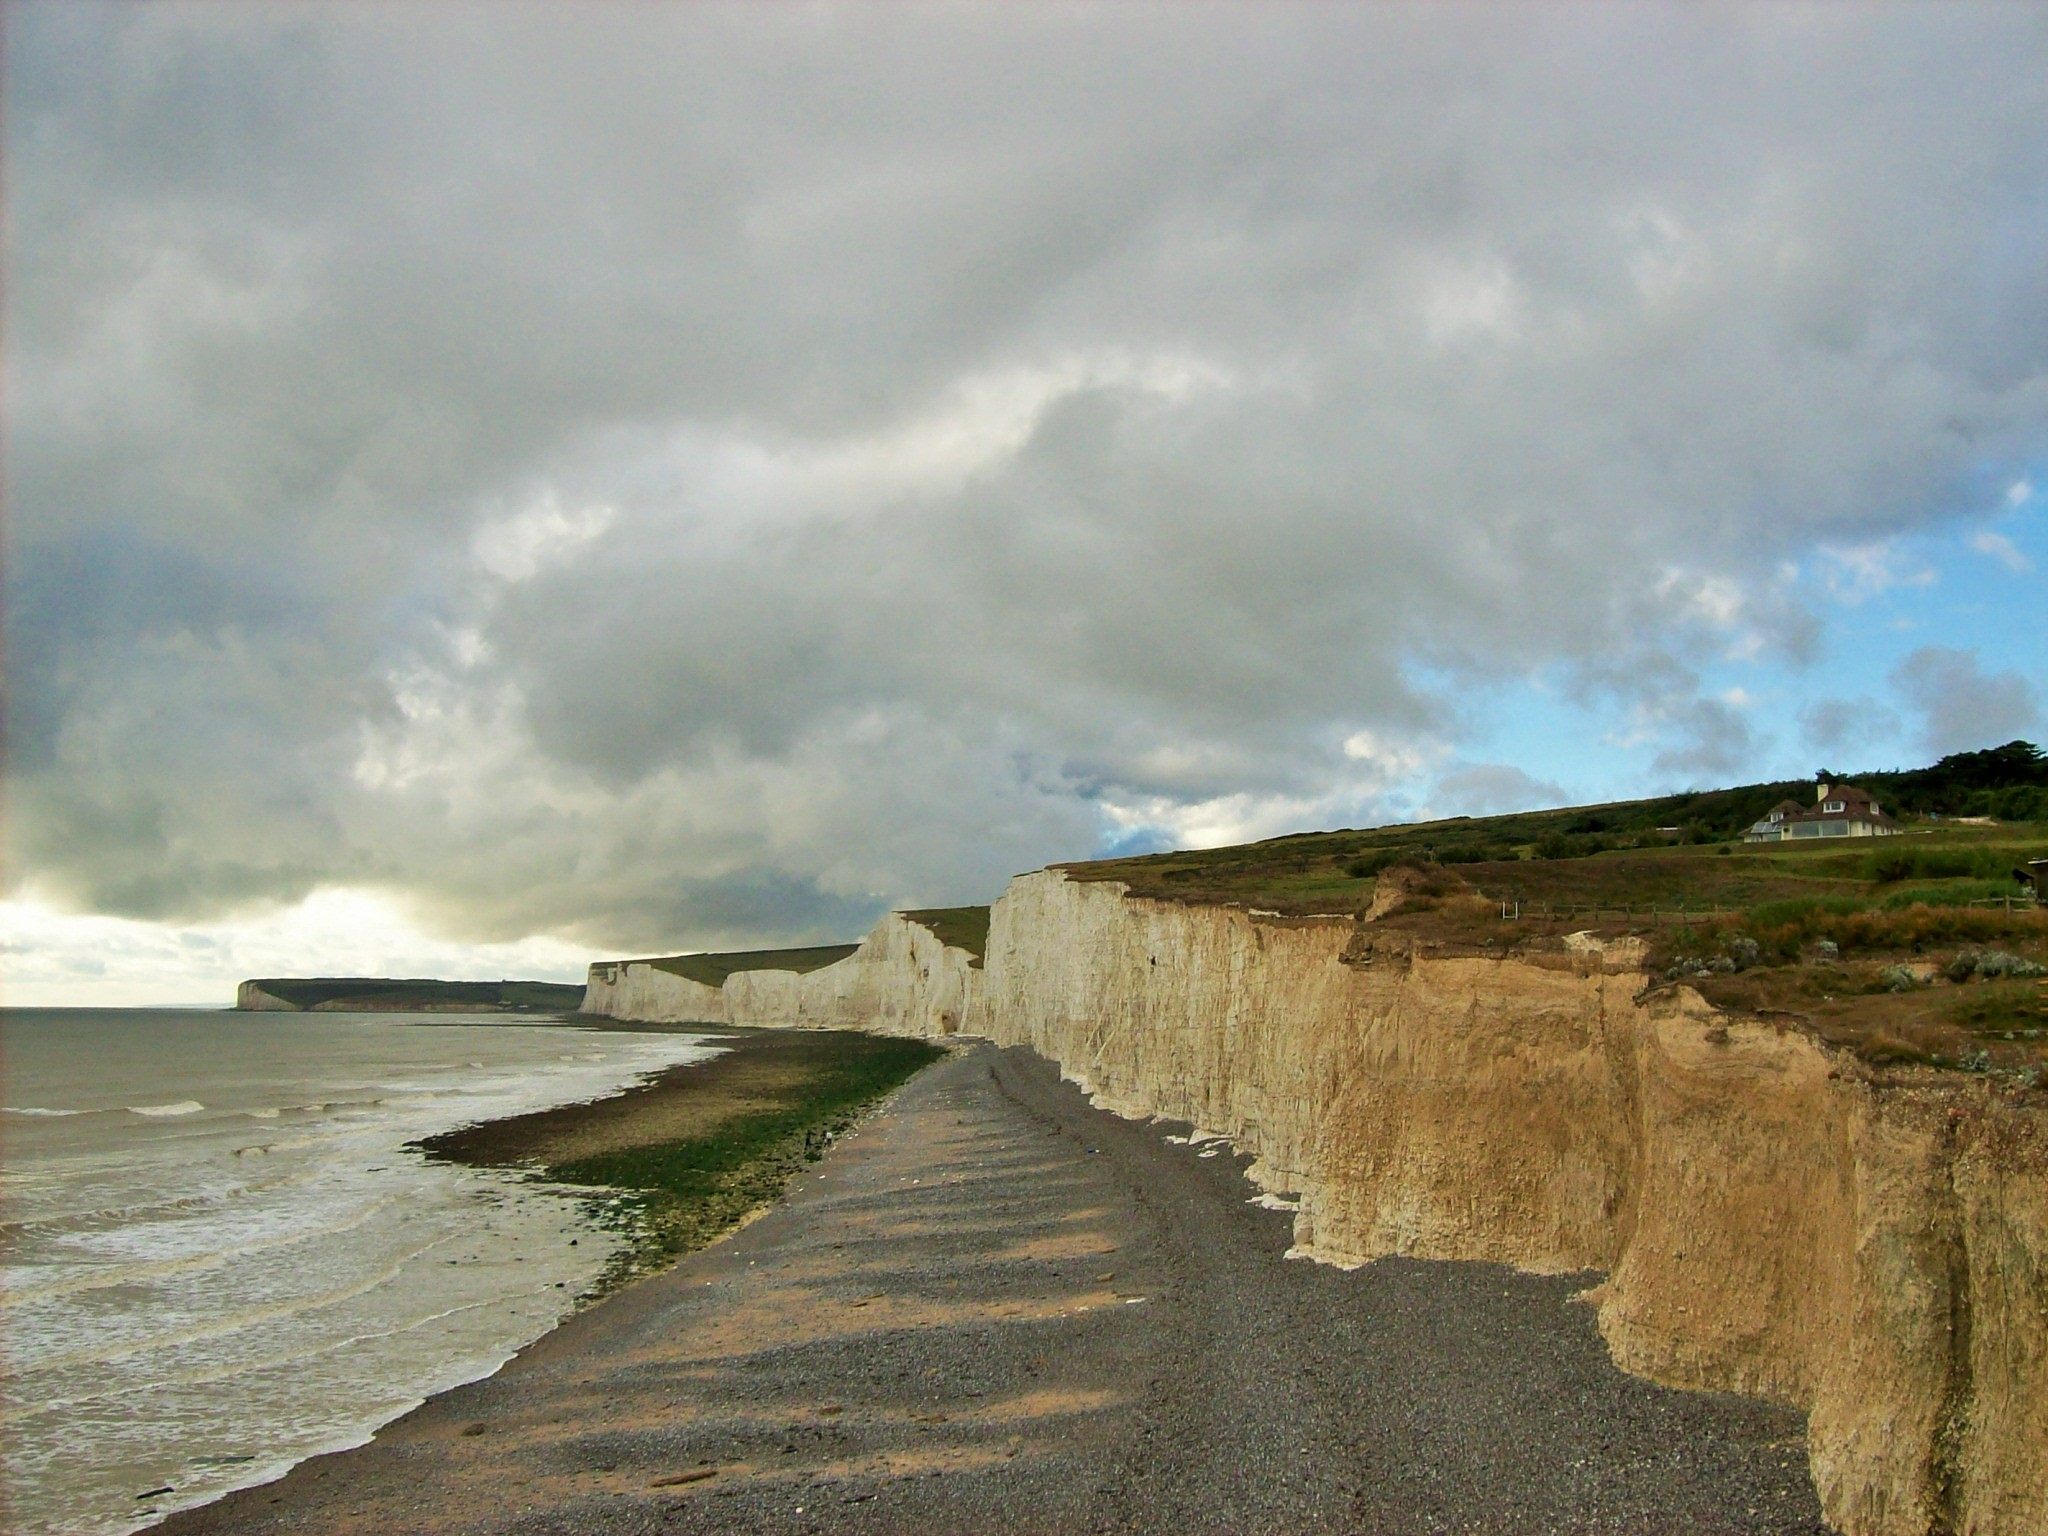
(684, 1194)
(2017, 1008)
(1498, 857)
(712, 970)
(960, 927)
(1783, 930)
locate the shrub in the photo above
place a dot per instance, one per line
(1474, 853)
(1992, 963)
(1563, 845)
(1368, 864)
(1960, 894)
(1897, 978)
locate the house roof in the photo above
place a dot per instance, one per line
(1857, 805)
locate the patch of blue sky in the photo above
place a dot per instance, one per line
(1972, 585)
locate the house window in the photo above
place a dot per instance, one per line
(1834, 807)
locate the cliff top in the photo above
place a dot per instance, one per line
(957, 927)
(374, 994)
(1917, 948)
(711, 970)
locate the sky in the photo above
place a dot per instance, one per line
(491, 487)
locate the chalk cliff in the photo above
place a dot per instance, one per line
(900, 980)
(1772, 1218)
(640, 989)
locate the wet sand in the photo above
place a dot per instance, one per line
(996, 1309)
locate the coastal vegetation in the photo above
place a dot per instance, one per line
(677, 1164)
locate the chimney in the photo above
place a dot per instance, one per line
(1823, 793)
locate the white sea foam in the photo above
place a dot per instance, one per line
(191, 1309)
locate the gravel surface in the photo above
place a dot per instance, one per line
(996, 1309)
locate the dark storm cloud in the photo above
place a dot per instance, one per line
(691, 473)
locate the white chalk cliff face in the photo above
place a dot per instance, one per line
(901, 981)
(634, 989)
(1772, 1219)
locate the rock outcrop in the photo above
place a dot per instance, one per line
(1771, 1218)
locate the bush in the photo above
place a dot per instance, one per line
(1366, 865)
(1784, 928)
(1897, 978)
(1475, 853)
(1992, 963)
(2022, 802)
(1565, 845)
(1957, 895)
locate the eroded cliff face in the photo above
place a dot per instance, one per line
(634, 989)
(900, 981)
(1773, 1221)
(250, 998)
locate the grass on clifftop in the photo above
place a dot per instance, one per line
(958, 927)
(681, 1195)
(711, 970)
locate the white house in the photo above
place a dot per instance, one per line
(1839, 810)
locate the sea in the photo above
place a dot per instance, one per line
(218, 1255)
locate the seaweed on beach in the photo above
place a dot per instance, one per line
(677, 1196)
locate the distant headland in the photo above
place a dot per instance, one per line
(374, 994)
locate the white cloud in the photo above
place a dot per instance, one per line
(519, 547)
(1857, 572)
(2001, 549)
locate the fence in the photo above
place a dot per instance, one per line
(1513, 909)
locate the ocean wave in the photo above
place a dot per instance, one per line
(348, 1219)
(37, 1109)
(251, 1317)
(165, 1111)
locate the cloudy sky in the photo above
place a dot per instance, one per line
(492, 486)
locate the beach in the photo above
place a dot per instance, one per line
(995, 1307)
(219, 1255)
